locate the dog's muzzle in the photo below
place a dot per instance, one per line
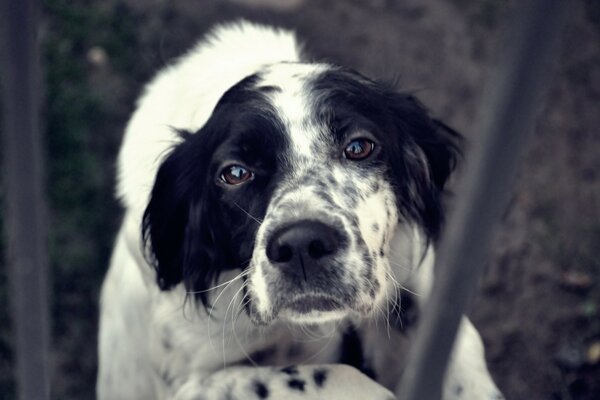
(304, 253)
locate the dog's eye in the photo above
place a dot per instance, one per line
(236, 175)
(359, 149)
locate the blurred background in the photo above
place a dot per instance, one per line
(538, 306)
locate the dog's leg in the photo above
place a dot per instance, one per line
(124, 369)
(306, 382)
(467, 376)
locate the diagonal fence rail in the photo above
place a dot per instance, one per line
(506, 122)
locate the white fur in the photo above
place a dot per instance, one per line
(153, 345)
(184, 95)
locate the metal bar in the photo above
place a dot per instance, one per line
(505, 124)
(25, 207)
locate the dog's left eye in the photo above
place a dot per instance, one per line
(359, 149)
(236, 175)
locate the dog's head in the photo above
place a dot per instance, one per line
(299, 178)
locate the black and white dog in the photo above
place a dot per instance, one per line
(287, 211)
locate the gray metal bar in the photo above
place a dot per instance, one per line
(25, 207)
(506, 122)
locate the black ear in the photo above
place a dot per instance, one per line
(427, 154)
(177, 223)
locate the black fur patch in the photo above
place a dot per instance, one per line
(352, 353)
(261, 356)
(296, 384)
(320, 376)
(290, 370)
(260, 389)
(195, 226)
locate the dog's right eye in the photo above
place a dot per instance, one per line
(359, 149)
(236, 175)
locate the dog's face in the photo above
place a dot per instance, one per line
(299, 179)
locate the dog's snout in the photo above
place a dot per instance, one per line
(302, 244)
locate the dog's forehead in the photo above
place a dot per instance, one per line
(294, 102)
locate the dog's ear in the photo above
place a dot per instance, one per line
(427, 151)
(177, 224)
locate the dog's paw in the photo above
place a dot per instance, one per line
(329, 382)
(307, 382)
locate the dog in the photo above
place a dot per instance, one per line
(279, 229)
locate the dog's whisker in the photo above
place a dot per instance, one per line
(397, 298)
(399, 265)
(233, 326)
(402, 287)
(229, 283)
(239, 276)
(258, 221)
(212, 308)
(241, 347)
(232, 301)
(323, 347)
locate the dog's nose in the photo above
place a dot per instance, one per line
(301, 245)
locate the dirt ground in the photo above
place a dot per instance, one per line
(538, 307)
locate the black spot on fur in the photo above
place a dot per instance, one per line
(367, 261)
(351, 191)
(374, 187)
(375, 227)
(167, 344)
(332, 181)
(320, 376)
(296, 384)
(458, 389)
(290, 370)
(351, 195)
(308, 179)
(167, 378)
(260, 389)
(261, 356)
(325, 196)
